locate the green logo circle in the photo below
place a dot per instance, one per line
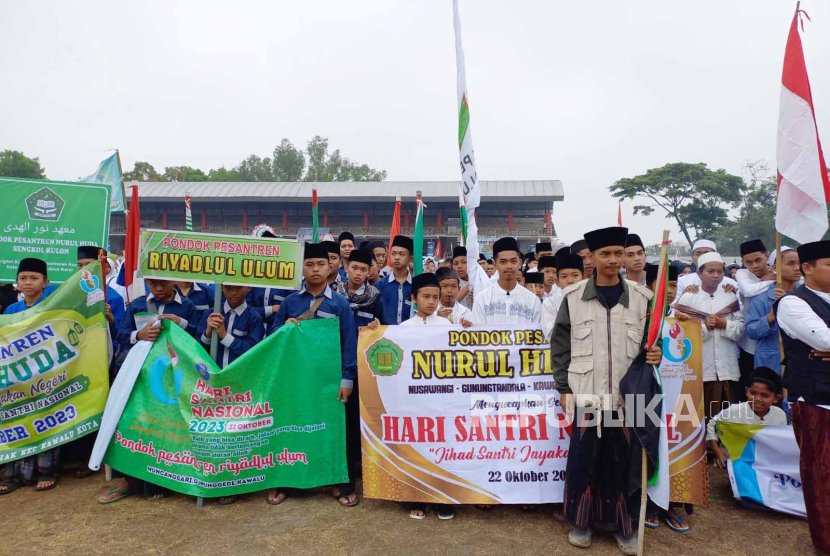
(384, 357)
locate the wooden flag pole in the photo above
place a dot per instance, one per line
(641, 528)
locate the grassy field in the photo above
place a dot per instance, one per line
(69, 521)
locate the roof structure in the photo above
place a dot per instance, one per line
(548, 190)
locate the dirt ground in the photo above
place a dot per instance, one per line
(68, 521)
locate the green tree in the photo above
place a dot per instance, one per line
(255, 168)
(325, 166)
(691, 194)
(183, 173)
(143, 171)
(222, 174)
(755, 210)
(15, 164)
(288, 163)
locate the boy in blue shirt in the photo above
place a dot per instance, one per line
(363, 298)
(162, 300)
(396, 287)
(239, 327)
(266, 302)
(346, 243)
(33, 283)
(166, 302)
(200, 294)
(317, 295)
(40, 470)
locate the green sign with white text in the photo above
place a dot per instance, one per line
(239, 260)
(48, 220)
(256, 424)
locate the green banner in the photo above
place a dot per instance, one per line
(239, 260)
(54, 368)
(49, 220)
(271, 418)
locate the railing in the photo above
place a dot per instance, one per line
(373, 231)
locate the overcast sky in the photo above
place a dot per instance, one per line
(583, 92)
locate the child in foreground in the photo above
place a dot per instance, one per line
(40, 470)
(426, 293)
(763, 392)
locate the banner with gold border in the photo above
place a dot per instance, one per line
(682, 375)
(460, 416)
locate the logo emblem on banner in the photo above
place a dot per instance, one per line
(45, 204)
(384, 357)
(677, 348)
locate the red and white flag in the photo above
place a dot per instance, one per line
(619, 214)
(803, 186)
(128, 276)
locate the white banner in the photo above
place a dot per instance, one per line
(764, 466)
(460, 416)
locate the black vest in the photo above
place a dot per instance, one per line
(806, 376)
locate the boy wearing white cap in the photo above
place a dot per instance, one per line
(700, 248)
(723, 325)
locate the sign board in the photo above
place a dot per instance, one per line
(49, 220)
(225, 259)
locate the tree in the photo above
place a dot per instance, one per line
(755, 210)
(255, 168)
(222, 174)
(183, 173)
(692, 194)
(288, 163)
(15, 164)
(323, 166)
(143, 171)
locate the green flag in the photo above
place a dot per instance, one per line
(256, 424)
(418, 254)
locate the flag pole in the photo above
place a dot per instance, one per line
(641, 527)
(777, 259)
(121, 177)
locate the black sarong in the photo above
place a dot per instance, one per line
(597, 477)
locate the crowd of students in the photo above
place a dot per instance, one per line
(592, 301)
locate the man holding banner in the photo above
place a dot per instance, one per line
(316, 300)
(599, 330)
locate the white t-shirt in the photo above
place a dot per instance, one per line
(742, 414)
(497, 306)
(432, 319)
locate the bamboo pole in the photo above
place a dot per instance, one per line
(641, 528)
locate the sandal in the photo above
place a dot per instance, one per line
(84, 472)
(345, 500)
(652, 521)
(679, 519)
(413, 511)
(445, 511)
(226, 500)
(122, 493)
(53, 482)
(484, 507)
(156, 497)
(276, 500)
(11, 486)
